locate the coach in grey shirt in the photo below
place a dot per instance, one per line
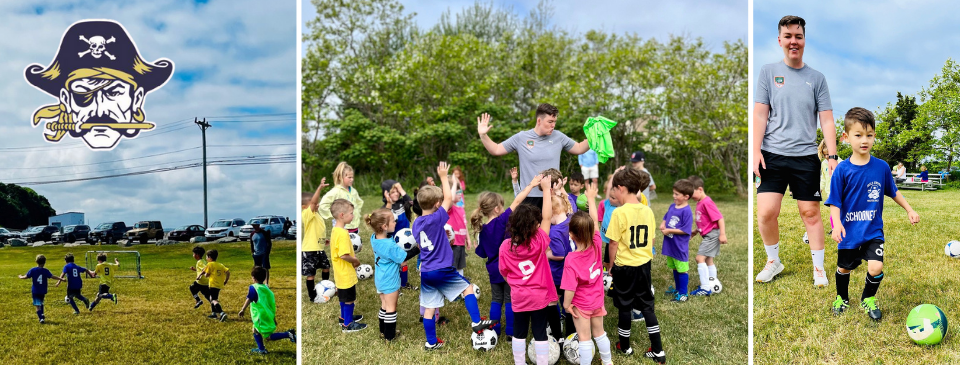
(790, 96)
(538, 148)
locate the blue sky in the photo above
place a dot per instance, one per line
(868, 51)
(232, 58)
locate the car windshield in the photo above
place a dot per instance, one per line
(225, 223)
(4, 230)
(36, 229)
(105, 226)
(182, 228)
(69, 228)
(142, 225)
(260, 221)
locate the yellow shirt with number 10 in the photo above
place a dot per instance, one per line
(633, 227)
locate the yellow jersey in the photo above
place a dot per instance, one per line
(105, 272)
(344, 274)
(314, 229)
(203, 279)
(218, 274)
(643, 199)
(633, 227)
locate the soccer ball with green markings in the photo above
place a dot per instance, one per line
(926, 324)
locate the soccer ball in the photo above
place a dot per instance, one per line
(952, 249)
(404, 239)
(607, 282)
(66, 299)
(926, 324)
(715, 286)
(476, 291)
(571, 349)
(554, 356)
(450, 234)
(325, 290)
(355, 240)
(805, 239)
(364, 272)
(484, 340)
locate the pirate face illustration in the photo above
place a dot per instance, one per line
(100, 82)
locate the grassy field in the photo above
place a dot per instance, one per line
(702, 331)
(794, 323)
(154, 322)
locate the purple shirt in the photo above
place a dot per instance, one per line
(573, 201)
(560, 245)
(435, 251)
(491, 236)
(678, 245)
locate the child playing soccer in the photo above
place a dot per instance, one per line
(74, 277)
(397, 200)
(345, 263)
(388, 257)
(200, 286)
(218, 275)
(583, 284)
(263, 312)
(856, 205)
(105, 272)
(314, 229)
(711, 227)
(38, 278)
(342, 189)
(676, 228)
(438, 278)
(523, 264)
(631, 240)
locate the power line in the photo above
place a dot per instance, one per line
(229, 162)
(156, 164)
(148, 156)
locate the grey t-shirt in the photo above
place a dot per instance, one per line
(537, 153)
(795, 96)
(646, 192)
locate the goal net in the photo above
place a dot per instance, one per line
(129, 262)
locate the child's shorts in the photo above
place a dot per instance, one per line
(38, 299)
(347, 295)
(710, 246)
(72, 293)
(438, 284)
(680, 266)
(214, 294)
(500, 292)
(104, 289)
(313, 260)
(851, 258)
(459, 257)
(631, 287)
(599, 312)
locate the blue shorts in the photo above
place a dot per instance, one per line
(437, 284)
(38, 299)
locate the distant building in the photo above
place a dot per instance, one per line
(66, 219)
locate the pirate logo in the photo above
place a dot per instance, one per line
(100, 81)
(778, 80)
(873, 191)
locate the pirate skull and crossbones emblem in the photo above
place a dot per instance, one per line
(98, 47)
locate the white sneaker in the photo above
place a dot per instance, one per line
(772, 268)
(819, 278)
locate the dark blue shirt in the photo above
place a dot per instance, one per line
(858, 191)
(252, 294)
(74, 276)
(560, 245)
(39, 276)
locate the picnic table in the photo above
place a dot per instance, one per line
(913, 182)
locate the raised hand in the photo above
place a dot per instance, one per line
(545, 183)
(483, 124)
(592, 190)
(536, 180)
(443, 168)
(323, 184)
(513, 174)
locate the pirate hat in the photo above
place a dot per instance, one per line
(98, 44)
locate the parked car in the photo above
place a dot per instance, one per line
(271, 223)
(108, 232)
(40, 233)
(71, 234)
(292, 232)
(224, 228)
(5, 235)
(185, 233)
(145, 230)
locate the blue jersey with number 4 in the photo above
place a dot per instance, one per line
(858, 191)
(39, 277)
(74, 276)
(435, 251)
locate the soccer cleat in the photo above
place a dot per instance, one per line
(679, 298)
(870, 306)
(482, 325)
(212, 315)
(258, 351)
(42, 321)
(628, 351)
(659, 357)
(199, 303)
(509, 339)
(76, 312)
(637, 316)
(671, 290)
(352, 327)
(840, 305)
(115, 299)
(701, 292)
(293, 335)
(772, 268)
(819, 278)
(223, 316)
(435, 346)
(356, 317)
(410, 287)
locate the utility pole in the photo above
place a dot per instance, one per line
(203, 131)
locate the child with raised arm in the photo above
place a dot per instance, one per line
(314, 230)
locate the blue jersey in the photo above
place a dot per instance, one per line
(607, 213)
(387, 257)
(39, 277)
(858, 191)
(435, 251)
(74, 276)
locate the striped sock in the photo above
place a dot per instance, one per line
(390, 325)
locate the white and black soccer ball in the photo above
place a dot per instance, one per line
(805, 238)
(404, 239)
(952, 249)
(364, 272)
(554, 356)
(66, 299)
(715, 286)
(571, 349)
(450, 234)
(476, 291)
(355, 240)
(484, 340)
(607, 282)
(326, 289)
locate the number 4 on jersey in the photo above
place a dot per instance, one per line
(425, 242)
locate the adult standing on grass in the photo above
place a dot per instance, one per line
(790, 96)
(260, 245)
(538, 148)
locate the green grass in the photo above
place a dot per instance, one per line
(793, 322)
(702, 331)
(154, 322)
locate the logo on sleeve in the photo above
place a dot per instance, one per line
(778, 80)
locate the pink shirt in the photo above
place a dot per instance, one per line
(527, 271)
(458, 220)
(707, 215)
(583, 274)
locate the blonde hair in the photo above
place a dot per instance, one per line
(342, 169)
(554, 175)
(378, 219)
(561, 205)
(822, 150)
(487, 202)
(429, 196)
(341, 206)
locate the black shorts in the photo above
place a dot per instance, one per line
(202, 289)
(851, 258)
(262, 261)
(313, 260)
(72, 293)
(560, 294)
(631, 287)
(214, 294)
(536, 319)
(801, 173)
(104, 289)
(347, 295)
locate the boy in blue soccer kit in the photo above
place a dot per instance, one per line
(38, 277)
(73, 274)
(856, 206)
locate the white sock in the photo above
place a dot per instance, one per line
(817, 258)
(586, 352)
(713, 271)
(704, 275)
(603, 346)
(519, 351)
(773, 252)
(543, 352)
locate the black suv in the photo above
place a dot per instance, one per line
(108, 233)
(40, 233)
(71, 234)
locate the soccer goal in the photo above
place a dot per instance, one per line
(127, 268)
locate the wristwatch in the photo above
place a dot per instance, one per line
(833, 157)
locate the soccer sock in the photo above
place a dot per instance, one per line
(471, 303)
(683, 282)
(817, 258)
(430, 327)
(73, 303)
(95, 302)
(623, 328)
(108, 296)
(311, 290)
(347, 314)
(259, 338)
(773, 252)
(213, 308)
(676, 279)
(519, 351)
(403, 276)
(508, 315)
(390, 324)
(603, 346)
(279, 336)
(871, 285)
(324, 275)
(83, 299)
(586, 352)
(495, 315)
(381, 315)
(712, 269)
(704, 275)
(653, 330)
(40, 312)
(843, 285)
(553, 319)
(543, 351)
